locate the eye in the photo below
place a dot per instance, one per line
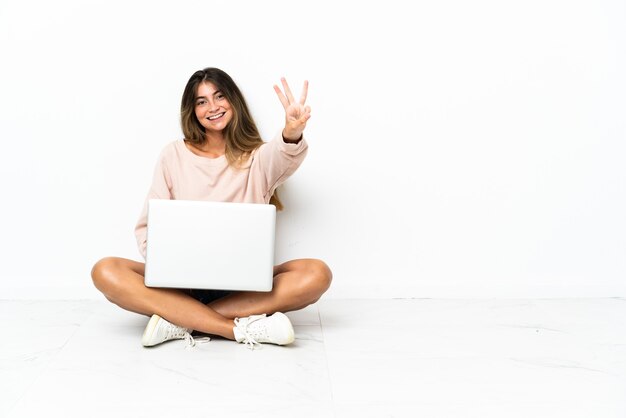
(200, 102)
(220, 96)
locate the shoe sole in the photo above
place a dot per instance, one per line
(149, 331)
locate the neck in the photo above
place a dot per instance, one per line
(214, 141)
(213, 146)
(212, 137)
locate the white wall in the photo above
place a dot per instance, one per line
(457, 149)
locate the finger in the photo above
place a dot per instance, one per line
(305, 117)
(281, 97)
(287, 90)
(305, 90)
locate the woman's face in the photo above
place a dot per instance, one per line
(212, 109)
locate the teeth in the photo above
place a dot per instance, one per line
(216, 116)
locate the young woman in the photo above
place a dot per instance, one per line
(221, 158)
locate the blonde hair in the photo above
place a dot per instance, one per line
(241, 134)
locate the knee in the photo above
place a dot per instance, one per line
(105, 275)
(318, 276)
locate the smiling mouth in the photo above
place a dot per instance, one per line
(219, 115)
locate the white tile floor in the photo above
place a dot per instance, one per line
(352, 358)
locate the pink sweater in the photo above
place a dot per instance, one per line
(181, 174)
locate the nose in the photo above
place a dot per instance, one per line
(213, 106)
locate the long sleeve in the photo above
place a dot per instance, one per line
(277, 160)
(160, 189)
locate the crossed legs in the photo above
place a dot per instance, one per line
(297, 284)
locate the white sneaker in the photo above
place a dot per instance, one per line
(256, 329)
(159, 330)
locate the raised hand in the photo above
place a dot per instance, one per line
(296, 113)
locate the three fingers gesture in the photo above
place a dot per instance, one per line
(296, 113)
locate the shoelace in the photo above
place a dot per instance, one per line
(191, 341)
(242, 325)
(174, 331)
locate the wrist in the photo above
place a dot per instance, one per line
(291, 137)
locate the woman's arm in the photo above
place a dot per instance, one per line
(160, 189)
(275, 161)
(278, 159)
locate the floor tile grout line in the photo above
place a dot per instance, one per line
(330, 383)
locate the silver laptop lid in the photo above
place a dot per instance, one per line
(210, 245)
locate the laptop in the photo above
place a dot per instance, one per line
(210, 245)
